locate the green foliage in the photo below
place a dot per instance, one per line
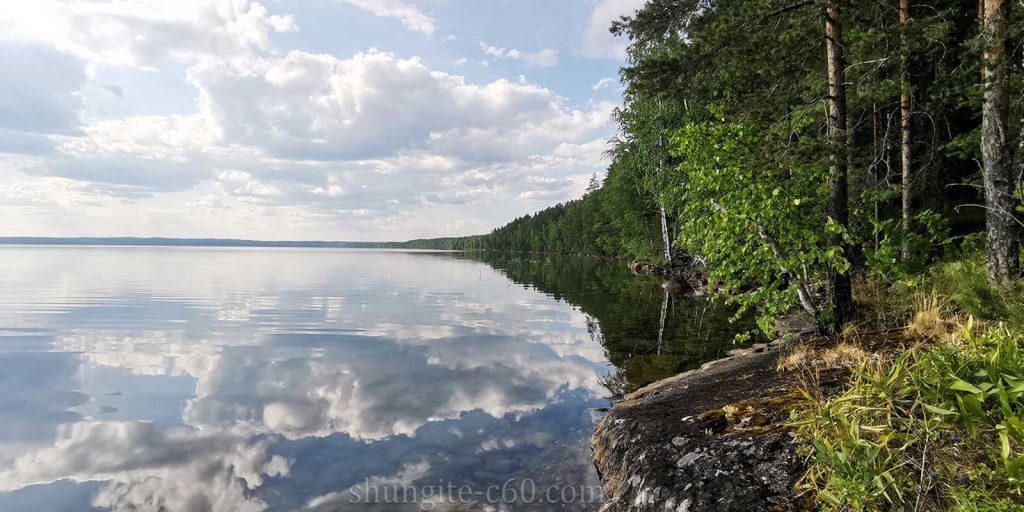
(888, 260)
(937, 425)
(613, 220)
(726, 100)
(751, 214)
(978, 501)
(964, 281)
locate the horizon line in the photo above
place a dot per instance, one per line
(196, 241)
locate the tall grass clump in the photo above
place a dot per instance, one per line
(964, 283)
(940, 428)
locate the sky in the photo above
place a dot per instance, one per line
(300, 119)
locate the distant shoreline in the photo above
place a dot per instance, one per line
(194, 242)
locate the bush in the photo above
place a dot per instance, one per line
(888, 259)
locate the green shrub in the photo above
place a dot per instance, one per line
(888, 260)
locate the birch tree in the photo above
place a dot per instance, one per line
(1002, 244)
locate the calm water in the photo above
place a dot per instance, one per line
(252, 379)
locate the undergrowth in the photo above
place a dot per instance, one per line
(938, 427)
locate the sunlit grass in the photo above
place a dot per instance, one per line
(937, 427)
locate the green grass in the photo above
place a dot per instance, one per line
(964, 282)
(938, 428)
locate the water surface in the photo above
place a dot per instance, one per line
(136, 378)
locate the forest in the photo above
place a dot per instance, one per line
(788, 145)
(858, 162)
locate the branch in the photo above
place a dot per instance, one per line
(806, 299)
(784, 9)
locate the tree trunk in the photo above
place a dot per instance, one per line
(905, 110)
(1002, 246)
(838, 208)
(879, 153)
(666, 242)
(661, 324)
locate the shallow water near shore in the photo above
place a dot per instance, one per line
(139, 378)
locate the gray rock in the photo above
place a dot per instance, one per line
(650, 459)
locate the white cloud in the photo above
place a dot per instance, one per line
(409, 474)
(598, 42)
(151, 468)
(145, 32)
(241, 183)
(544, 58)
(406, 12)
(604, 83)
(315, 106)
(307, 143)
(350, 390)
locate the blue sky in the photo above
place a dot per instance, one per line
(305, 119)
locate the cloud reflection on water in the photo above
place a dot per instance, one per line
(374, 361)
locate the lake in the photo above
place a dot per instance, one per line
(139, 378)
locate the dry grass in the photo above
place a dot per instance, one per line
(795, 359)
(844, 355)
(878, 307)
(929, 316)
(935, 318)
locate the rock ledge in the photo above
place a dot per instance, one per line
(713, 439)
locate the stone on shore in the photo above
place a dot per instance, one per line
(714, 439)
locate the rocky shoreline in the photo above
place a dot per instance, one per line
(684, 276)
(717, 438)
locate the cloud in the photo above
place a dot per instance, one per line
(147, 153)
(144, 33)
(38, 92)
(311, 144)
(147, 467)
(441, 356)
(405, 12)
(147, 174)
(23, 143)
(409, 474)
(363, 388)
(544, 58)
(241, 183)
(455, 372)
(604, 83)
(315, 106)
(598, 42)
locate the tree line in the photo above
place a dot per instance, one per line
(790, 145)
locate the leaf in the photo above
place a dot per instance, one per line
(939, 410)
(1004, 441)
(961, 385)
(829, 497)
